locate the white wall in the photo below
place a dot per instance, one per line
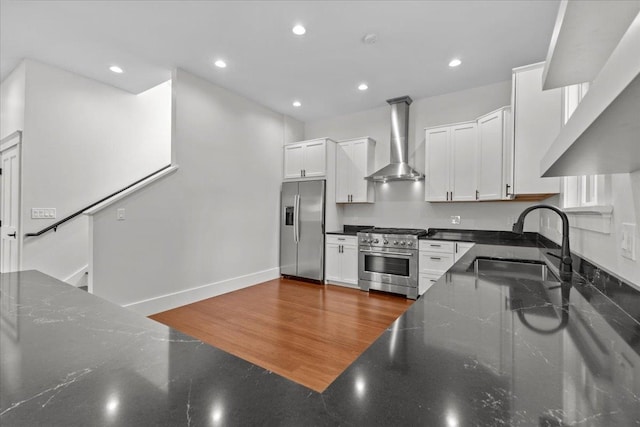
(604, 249)
(12, 98)
(213, 225)
(83, 140)
(401, 204)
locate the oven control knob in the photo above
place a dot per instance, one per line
(386, 242)
(409, 243)
(376, 241)
(403, 243)
(395, 242)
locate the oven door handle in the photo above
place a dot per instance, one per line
(386, 253)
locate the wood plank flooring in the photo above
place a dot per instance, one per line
(305, 332)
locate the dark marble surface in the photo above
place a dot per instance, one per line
(489, 237)
(351, 230)
(476, 349)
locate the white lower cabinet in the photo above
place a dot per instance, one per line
(461, 248)
(341, 260)
(436, 257)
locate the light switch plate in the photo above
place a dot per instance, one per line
(43, 213)
(628, 241)
(455, 219)
(120, 214)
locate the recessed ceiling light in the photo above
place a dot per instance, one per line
(299, 30)
(363, 86)
(220, 63)
(297, 103)
(116, 69)
(455, 62)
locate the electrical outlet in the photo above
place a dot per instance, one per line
(455, 219)
(120, 214)
(43, 213)
(628, 243)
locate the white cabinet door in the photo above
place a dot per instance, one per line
(354, 161)
(350, 264)
(343, 172)
(461, 249)
(437, 164)
(490, 156)
(314, 159)
(360, 151)
(462, 181)
(293, 159)
(332, 263)
(537, 115)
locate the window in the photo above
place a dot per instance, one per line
(586, 199)
(584, 191)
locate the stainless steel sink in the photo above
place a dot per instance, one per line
(521, 269)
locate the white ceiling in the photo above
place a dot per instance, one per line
(267, 63)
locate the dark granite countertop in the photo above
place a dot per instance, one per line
(476, 349)
(488, 237)
(350, 230)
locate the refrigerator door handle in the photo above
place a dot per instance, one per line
(296, 218)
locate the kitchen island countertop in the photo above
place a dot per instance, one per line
(474, 350)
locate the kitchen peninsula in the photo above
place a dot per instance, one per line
(474, 350)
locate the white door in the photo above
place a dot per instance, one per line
(10, 209)
(293, 161)
(437, 164)
(350, 264)
(359, 185)
(490, 142)
(343, 171)
(315, 163)
(332, 262)
(464, 145)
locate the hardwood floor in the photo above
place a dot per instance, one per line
(305, 332)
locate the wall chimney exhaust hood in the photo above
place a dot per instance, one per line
(398, 169)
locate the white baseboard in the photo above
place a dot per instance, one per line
(75, 277)
(188, 296)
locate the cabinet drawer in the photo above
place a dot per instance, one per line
(338, 239)
(434, 262)
(426, 280)
(436, 246)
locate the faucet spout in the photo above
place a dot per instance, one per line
(566, 269)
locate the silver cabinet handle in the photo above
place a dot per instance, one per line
(12, 235)
(435, 258)
(435, 246)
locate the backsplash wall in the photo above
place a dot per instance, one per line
(401, 204)
(600, 248)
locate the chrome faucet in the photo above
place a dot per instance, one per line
(565, 253)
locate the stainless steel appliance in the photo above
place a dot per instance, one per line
(398, 169)
(302, 229)
(388, 260)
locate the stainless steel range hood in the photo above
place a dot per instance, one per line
(398, 169)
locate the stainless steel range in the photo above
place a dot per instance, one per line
(388, 260)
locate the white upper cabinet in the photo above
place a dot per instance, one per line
(464, 144)
(536, 123)
(354, 161)
(437, 141)
(293, 161)
(307, 159)
(451, 162)
(314, 159)
(494, 155)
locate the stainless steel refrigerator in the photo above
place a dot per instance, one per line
(302, 229)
